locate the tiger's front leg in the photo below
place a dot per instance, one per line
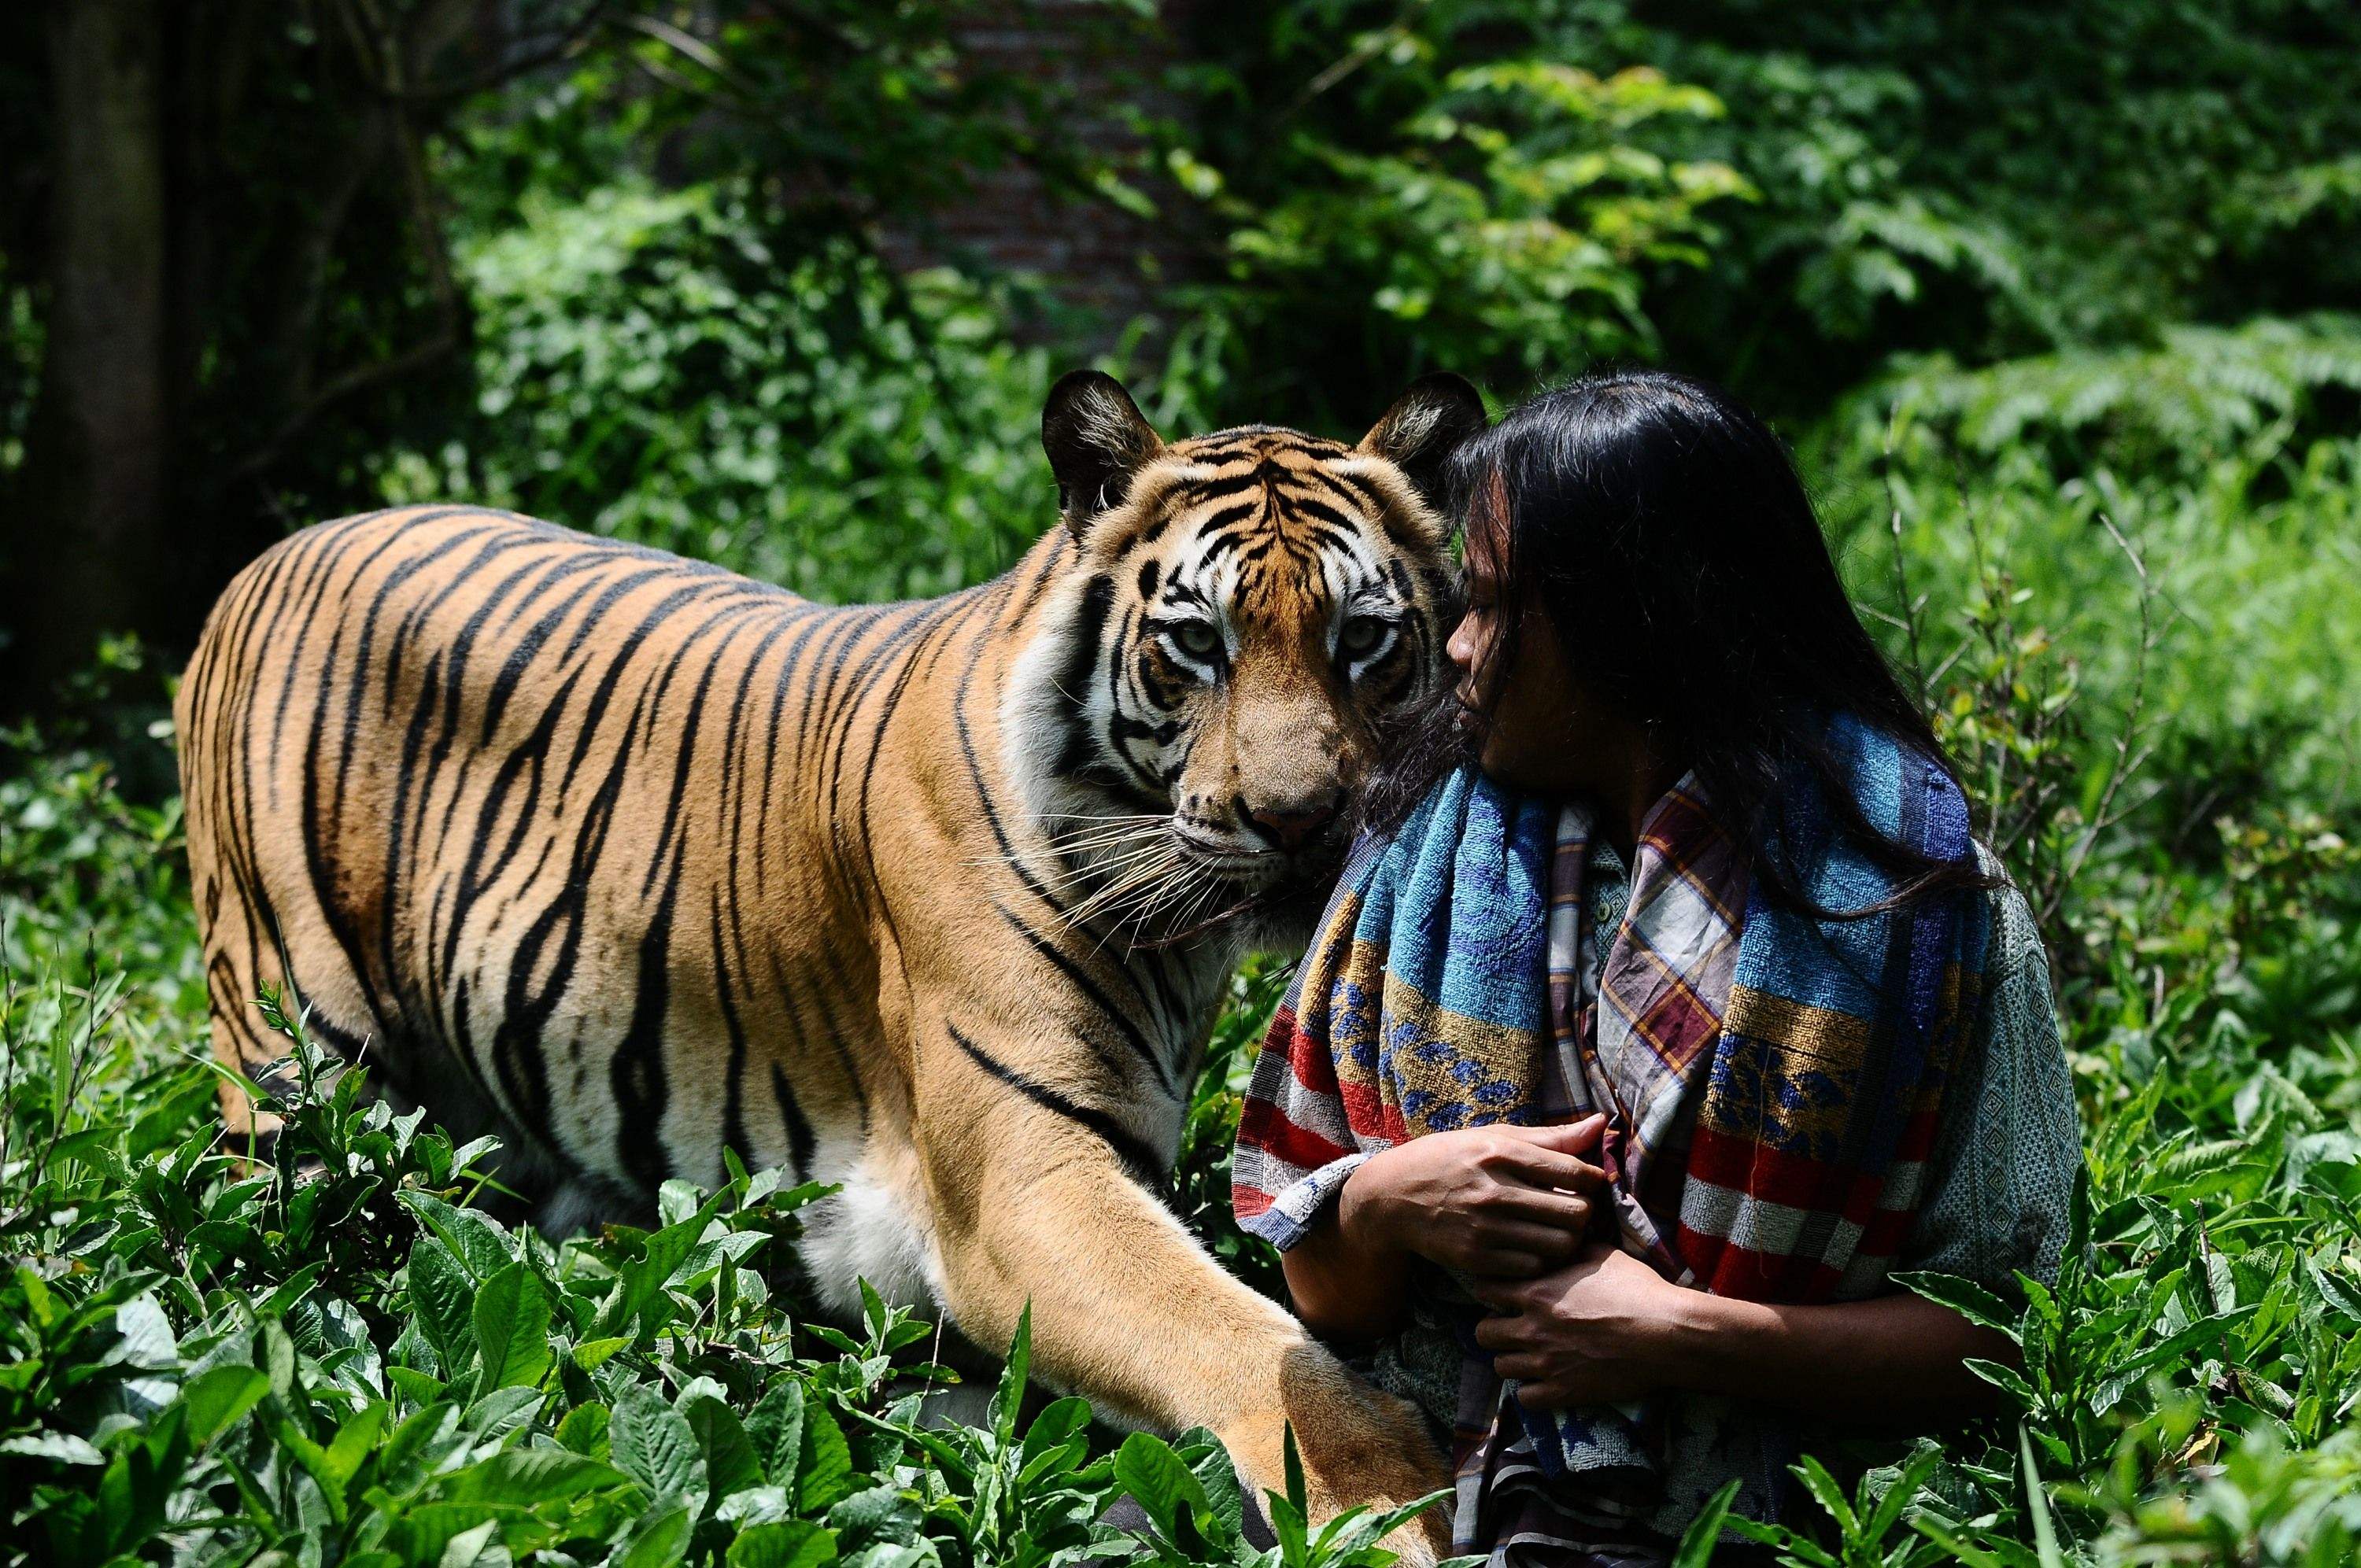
(1031, 1205)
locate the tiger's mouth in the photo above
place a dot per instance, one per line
(1258, 868)
(1248, 863)
(1163, 880)
(1274, 899)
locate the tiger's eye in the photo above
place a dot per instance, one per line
(1360, 636)
(1198, 639)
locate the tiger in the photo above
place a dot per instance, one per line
(635, 861)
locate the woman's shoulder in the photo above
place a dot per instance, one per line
(2015, 943)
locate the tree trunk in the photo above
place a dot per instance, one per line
(86, 544)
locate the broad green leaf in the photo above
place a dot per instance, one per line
(756, 1505)
(1798, 1551)
(315, 1460)
(651, 1442)
(2002, 1376)
(1056, 1441)
(1225, 1502)
(417, 1445)
(1162, 1483)
(214, 1399)
(584, 1429)
(162, 1124)
(2123, 1374)
(883, 1513)
(442, 1293)
(355, 1440)
(40, 1304)
(63, 1447)
(646, 1277)
(591, 1355)
(1898, 1495)
(1827, 1493)
(957, 1452)
(511, 1324)
(91, 1143)
(1291, 1530)
(479, 1245)
(292, 1290)
(147, 1335)
(1354, 1532)
(423, 1533)
(776, 1427)
(731, 1461)
(1009, 1396)
(469, 1548)
(2334, 1291)
(1973, 1556)
(824, 1474)
(502, 1411)
(1965, 1297)
(529, 1476)
(660, 1540)
(796, 1543)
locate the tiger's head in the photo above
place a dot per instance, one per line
(1233, 623)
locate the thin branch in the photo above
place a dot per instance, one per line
(2135, 709)
(8, 1046)
(1908, 614)
(1368, 48)
(690, 47)
(665, 76)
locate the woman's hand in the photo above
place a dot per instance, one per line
(1604, 1330)
(1607, 1329)
(1494, 1203)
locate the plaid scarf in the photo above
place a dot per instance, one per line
(1772, 1081)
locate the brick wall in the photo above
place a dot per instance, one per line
(1089, 253)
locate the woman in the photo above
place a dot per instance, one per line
(1667, 1009)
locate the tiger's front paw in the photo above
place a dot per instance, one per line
(1360, 1447)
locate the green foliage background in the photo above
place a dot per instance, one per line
(2055, 305)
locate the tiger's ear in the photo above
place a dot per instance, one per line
(1096, 440)
(1423, 429)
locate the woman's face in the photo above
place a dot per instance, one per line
(1538, 717)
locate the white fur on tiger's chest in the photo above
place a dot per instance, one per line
(876, 1228)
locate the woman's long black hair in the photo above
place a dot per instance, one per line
(1662, 527)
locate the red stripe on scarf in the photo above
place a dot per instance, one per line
(1798, 1181)
(1262, 1125)
(1756, 1170)
(1307, 1053)
(1724, 1268)
(1313, 1062)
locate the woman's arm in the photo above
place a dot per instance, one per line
(1346, 1285)
(1495, 1202)
(1606, 1329)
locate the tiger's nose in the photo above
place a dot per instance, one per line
(1293, 825)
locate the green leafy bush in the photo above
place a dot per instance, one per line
(662, 367)
(334, 1358)
(2220, 461)
(1445, 185)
